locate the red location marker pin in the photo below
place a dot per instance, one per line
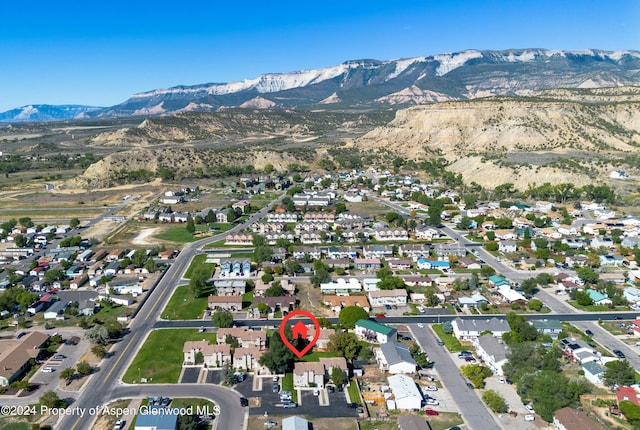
(299, 329)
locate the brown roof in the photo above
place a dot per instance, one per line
(253, 351)
(302, 367)
(226, 299)
(206, 348)
(15, 354)
(573, 419)
(241, 333)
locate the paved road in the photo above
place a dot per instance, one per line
(472, 409)
(611, 342)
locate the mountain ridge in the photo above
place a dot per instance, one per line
(401, 82)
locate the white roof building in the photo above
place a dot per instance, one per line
(405, 393)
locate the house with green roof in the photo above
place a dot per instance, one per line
(498, 281)
(550, 327)
(373, 331)
(598, 298)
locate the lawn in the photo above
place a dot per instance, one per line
(449, 340)
(354, 394)
(598, 308)
(178, 233)
(199, 260)
(315, 355)
(183, 306)
(287, 385)
(160, 358)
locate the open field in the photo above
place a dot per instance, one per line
(449, 340)
(199, 260)
(160, 358)
(183, 306)
(256, 422)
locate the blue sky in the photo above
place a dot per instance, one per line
(99, 53)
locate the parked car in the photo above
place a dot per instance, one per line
(440, 342)
(201, 330)
(118, 425)
(290, 405)
(431, 388)
(276, 378)
(501, 380)
(244, 401)
(275, 388)
(470, 359)
(331, 388)
(158, 400)
(165, 401)
(588, 332)
(420, 325)
(529, 409)
(431, 412)
(618, 353)
(47, 369)
(270, 423)
(59, 357)
(241, 377)
(464, 354)
(529, 417)
(432, 402)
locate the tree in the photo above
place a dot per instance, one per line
(262, 254)
(619, 372)
(320, 277)
(52, 275)
(278, 358)
(350, 315)
(222, 319)
(337, 376)
(476, 374)
(529, 286)
(228, 375)
(447, 327)
(492, 246)
(535, 305)
(551, 391)
(267, 277)
(631, 412)
(20, 240)
(114, 329)
(67, 374)
(274, 291)
(434, 213)
(344, 343)
(495, 401)
(51, 400)
(97, 335)
(191, 227)
(99, 351)
(583, 298)
(587, 274)
(210, 217)
(75, 222)
(26, 222)
(150, 265)
(198, 281)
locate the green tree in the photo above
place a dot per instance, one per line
(587, 274)
(26, 222)
(99, 351)
(199, 277)
(320, 276)
(350, 315)
(631, 412)
(583, 298)
(84, 368)
(495, 401)
(222, 319)
(344, 343)
(262, 254)
(434, 215)
(191, 227)
(535, 305)
(337, 376)
(552, 391)
(75, 222)
(51, 400)
(67, 374)
(447, 327)
(278, 358)
(619, 372)
(492, 246)
(274, 291)
(210, 217)
(529, 286)
(97, 335)
(476, 374)
(228, 375)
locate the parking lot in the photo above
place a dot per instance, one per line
(190, 375)
(308, 404)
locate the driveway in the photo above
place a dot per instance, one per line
(508, 392)
(190, 375)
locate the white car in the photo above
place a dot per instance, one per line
(47, 369)
(431, 388)
(420, 325)
(118, 425)
(529, 417)
(316, 392)
(501, 380)
(432, 402)
(529, 409)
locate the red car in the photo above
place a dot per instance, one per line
(431, 412)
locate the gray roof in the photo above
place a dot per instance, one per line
(492, 325)
(594, 367)
(547, 324)
(395, 352)
(295, 423)
(412, 422)
(493, 347)
(167, 420)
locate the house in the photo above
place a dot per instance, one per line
(394, 357)
(86, 308)
(16, 355)
(315, 374)
(492, 351)
(372, 331)
(295, 423)
(594, 371)
(397, 296)
(391, 234)
(124, 286)
(611, 260)
(468, 263)
(444, 250)
(243, 205)
(399, 264)
(303, 252)
(602, 242)
(228, 287)
(506, 246)
(632, 294)
(55, 311)
(498, 281)
(405, 393)
(284, 303)
(232, 303)
(212, 355)
(572, 419)
(629, 394)
(511, 296)
(79, 281)
(417, 281)
(414, 251)
(341, 286)
(412, 422)
(246, 338)
(120, 300)
(336, 303)
(576, 350)
(631, 242)
(377, 251)
(115, 255)
(474, 300)
(235, 267)
(223, 216)
(425, 264)
(370, 284)
(426, 233)
(598, 297)
(246, 358)
(323, 339)
(367, 263)
(471, 329)
(551, 328)
(157, 418)
(239, 239)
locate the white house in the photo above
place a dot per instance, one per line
(397, 296)
(405, 393)
(594, 371)
(341, 287)
(372, 331)
(394, 357)
(471, 329)
(492, 351)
